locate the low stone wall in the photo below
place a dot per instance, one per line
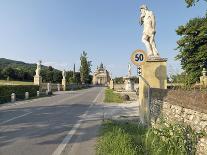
(54, 87)
(122, 86)
(175, 113)
(197, 120)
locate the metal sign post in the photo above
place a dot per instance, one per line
(138, 58)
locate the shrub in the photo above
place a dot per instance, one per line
(128, 138)
(19, 90)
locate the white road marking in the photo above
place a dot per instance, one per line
(15, 118)
(70, 134)
(95, 100)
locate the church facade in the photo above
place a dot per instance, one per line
(101, 76)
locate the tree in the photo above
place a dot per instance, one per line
(119, 80)
(85, 68)
(192, 47)
(9, 72)
(191, 3)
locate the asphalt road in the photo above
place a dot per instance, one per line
(66, 123)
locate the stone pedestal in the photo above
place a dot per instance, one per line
(129, 84)
(154, 72)
(64, 84)
(111, 84)
(37, 80)
(49, 87)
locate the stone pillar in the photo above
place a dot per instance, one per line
(64, 84)
(26, 95)
(38, 93)
(13, 97)
(49, 89)
(129, 84)
(58, 87)
(154, 71)
(111, 84)
(37, 80)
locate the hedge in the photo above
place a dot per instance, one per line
(19, 90)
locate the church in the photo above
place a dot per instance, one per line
(101, 76)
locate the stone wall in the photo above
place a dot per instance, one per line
(197, 120)
(122, 86)
(175, 113)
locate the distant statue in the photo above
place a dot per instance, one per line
(38, 68)
(147, 19)
(129, 70)
(64, 74)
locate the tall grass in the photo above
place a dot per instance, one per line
(132, 139)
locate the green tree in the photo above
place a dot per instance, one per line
(119, 80)
(192, 2)
(85, 68)
(9, 72)
(192, 47)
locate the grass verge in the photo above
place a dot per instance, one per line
(122, 138)
(5, 82)
(111, 97)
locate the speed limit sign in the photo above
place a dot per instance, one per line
(138, 57)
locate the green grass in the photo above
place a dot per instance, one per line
(111, 97)
(122, 138)
(5, 82)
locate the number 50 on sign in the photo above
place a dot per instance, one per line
(138, 57)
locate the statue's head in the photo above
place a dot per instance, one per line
(143, 9)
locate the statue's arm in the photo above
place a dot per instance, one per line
(141, 20)
(153, 22)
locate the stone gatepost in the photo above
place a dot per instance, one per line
(111, 84)
(49, 89)
(64, 84)
(154, 72)
(37, 77)
(64, 80)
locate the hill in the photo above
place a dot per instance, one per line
(18, 70)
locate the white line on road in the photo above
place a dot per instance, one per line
(70, 134)
(15, 118)
(95, 100)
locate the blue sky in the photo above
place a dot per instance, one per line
(57, 31)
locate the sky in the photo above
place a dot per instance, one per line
(57, 31)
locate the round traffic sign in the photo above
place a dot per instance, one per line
(138, 57)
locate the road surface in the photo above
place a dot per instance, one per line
(66, 123)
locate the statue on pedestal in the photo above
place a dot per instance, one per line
(37, 77)
(38, 68)
(147, 19)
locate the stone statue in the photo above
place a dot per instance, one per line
(147, 19)
(38, 68)
(64, 74)
(129, 70)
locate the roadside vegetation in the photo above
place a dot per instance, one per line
(125, 138)
(112, 97)
(5, 82)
